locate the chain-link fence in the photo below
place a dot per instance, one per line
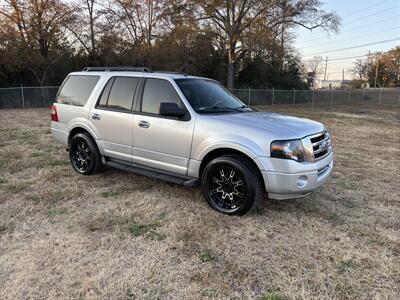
(29, 97)
(384, 96)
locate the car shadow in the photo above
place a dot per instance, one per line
(315, 204)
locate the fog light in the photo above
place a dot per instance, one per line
(302, 181)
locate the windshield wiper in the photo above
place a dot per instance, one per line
(223, 108)
(246, 108)
(215, 109)
(243, 107)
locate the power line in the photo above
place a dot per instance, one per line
(371, 15)
(368, 7)
(340, 69)
(334, 73)
(349, 57)
(355, 28)
(354, 47)
(342, 58)
(350, 39)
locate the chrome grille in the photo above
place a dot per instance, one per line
(321, 144)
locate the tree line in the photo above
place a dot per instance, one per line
(242, 43)
(379, 70)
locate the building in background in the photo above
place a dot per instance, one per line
(335, 84)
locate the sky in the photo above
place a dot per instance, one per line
(363, 22)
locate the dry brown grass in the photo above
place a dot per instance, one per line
(118, 235)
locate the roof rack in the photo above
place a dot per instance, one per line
(110, 69)
(172, 72)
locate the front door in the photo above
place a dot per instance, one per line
(112, 117)
(161, 142)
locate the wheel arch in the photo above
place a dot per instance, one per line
(226, 151)
(83, 129)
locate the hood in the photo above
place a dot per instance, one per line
(281, 126)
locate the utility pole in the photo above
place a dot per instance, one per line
(376, 70)
(396, 79)
(366, 70)
(343, 74)
(326, 66)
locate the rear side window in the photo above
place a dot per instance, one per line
(157, 91)
(77, 89)
(118, 93)
(105, 93)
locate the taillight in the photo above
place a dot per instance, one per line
(53, 113)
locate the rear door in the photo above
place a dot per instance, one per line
(70, 103)
(112, 116)
(158, 141)
(73, 96)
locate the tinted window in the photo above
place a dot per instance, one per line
(105, 93)
(77, 89)
(208, 96)
(122, 92)
(157, 91)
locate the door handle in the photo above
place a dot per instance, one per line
(96, 117)
(144, 124)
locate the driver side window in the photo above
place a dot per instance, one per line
(155, 92)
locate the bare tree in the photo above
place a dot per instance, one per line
(87, 28)
(90, 10)
(39, 27)
(231, 18)
(138, 18)
(313, 67)
(360, 69)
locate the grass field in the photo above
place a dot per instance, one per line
(122, 236)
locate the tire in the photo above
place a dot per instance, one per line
(84, 154)
(232, 185)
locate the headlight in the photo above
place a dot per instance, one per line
(292, 149)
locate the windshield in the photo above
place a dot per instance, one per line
(208, 96)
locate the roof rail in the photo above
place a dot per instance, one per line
(172, 72)
(110, 69)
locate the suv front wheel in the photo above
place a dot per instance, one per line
(231, 185)
(84, 155)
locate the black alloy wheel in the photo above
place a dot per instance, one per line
(231, 185)
(227, 187)
(84, 155)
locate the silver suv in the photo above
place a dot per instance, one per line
(191, 131)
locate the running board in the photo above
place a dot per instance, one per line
(153, 173)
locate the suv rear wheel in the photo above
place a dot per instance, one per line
(231, 185)
(84, 155)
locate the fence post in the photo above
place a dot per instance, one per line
(349, 97)
(312, 101)
(249, 97)
(22, 96)
(294, 96)
(43, 98)
(331, 95)
(380, 95)
(273, 96)
(363, 95)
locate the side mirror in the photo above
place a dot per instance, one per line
(171, 109)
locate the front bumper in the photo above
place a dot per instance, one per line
(293, 179)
